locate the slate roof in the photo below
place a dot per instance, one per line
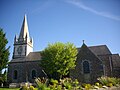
(18, 60)
(32, 56)
(99, 50)
(116, 60)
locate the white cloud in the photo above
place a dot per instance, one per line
(79, 4)
(42, 7)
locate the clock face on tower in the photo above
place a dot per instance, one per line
(19, 49)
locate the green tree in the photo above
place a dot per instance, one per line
(58, 59)
(4, 54)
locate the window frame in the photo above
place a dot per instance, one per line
(15, 74)
(89, 65)
(33, 75)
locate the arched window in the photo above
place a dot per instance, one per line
(15, 74)
(33, 74)
(86, 67)
(101, 67)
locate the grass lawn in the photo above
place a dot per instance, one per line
(12, 89)
(9, 88)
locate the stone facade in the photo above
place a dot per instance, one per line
(24, 66)
(92, 62)
(95, 66)
(116, 65)
(24, 71)
(99, 62)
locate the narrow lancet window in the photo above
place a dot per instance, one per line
(15, 74)
(33, 74)
(86, 67)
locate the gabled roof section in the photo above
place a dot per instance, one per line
(116, 60)
(24, 29)
(33, 56)
(100, 50)
(84, 50)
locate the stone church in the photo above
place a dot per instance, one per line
(92, 62)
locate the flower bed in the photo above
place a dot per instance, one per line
(104, 83)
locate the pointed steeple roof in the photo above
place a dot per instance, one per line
(24, 29)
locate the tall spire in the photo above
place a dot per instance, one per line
(24, 29)
(23, 44)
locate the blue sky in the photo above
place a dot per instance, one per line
(95, 21)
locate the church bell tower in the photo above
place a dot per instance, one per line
(23, 44)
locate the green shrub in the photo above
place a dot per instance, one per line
(76, 82)
(87, 86)
(109, 81)
(97, 84)
(31, 88)
(103, 80)
(59, 87)
(53, 82)
(41, 84)
(24, 88)
(69, 84)
(110, 85)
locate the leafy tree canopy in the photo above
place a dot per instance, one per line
(58, 58)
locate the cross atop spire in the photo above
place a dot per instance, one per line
(24, 29)
(83, 41)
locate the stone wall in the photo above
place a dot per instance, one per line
(95, 66)
(24, 70)
(106, 61)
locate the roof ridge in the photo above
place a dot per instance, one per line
(35, 52)
(116, 54)
(97, 46)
